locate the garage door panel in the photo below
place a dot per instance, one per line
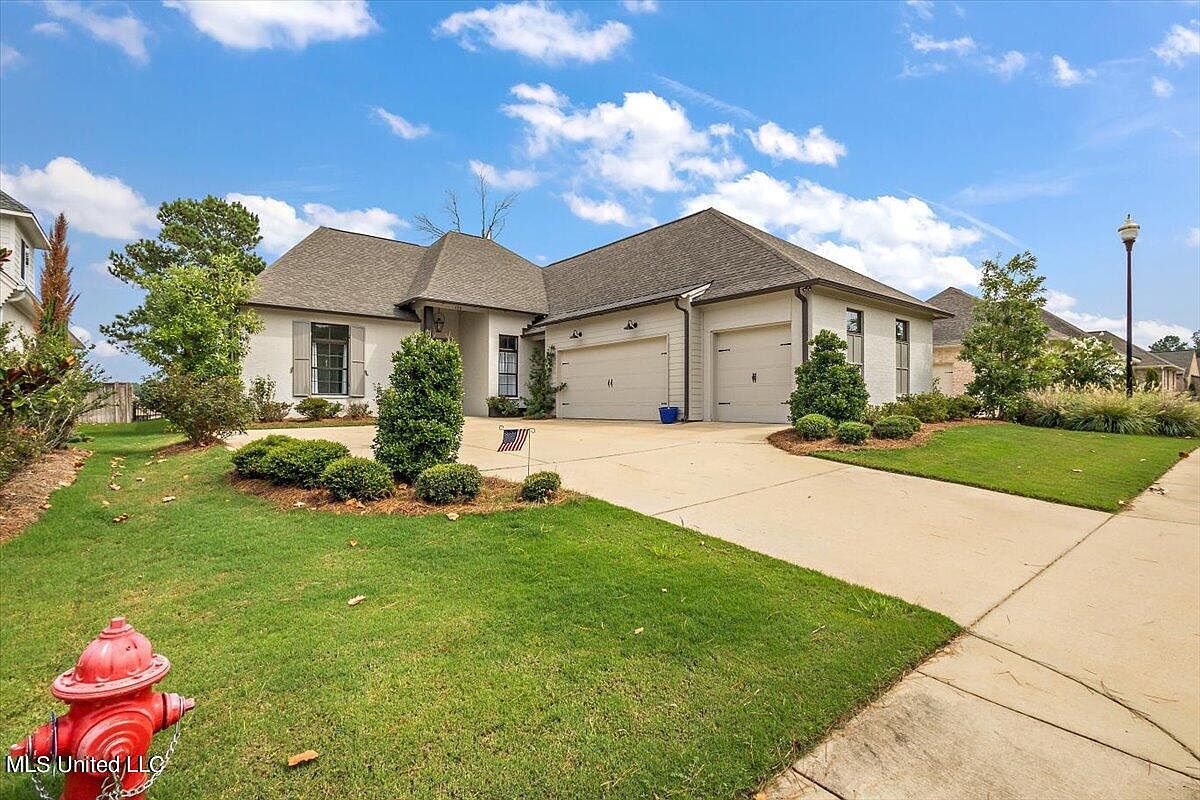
(754, 374)
(623, 380)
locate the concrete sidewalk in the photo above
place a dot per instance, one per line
(1079, 675)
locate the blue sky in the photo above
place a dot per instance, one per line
(909, 140)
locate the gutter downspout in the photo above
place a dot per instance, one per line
(687, 360)
(803, 326)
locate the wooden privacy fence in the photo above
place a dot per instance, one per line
(119, 407)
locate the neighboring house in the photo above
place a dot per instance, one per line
(1189, 362)
(1170, 377)
(20, 233)
(952, 373)
(705, 313)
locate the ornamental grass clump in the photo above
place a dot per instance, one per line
(1111, 411)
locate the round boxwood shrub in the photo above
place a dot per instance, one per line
(540, 485)
(317, 408)
(445, 483)
(300, 462)
(927, 406)
(358, 478)
(896, 426)
(853, 432)
(814, 426)
(962, 406)
(247, 459)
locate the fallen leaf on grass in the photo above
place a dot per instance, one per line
(120, 517)
(301, 758)
(353, 542)
(140, 479)
(358, 598)
(169, 498)
(44, 506)
(63, 483)
(636, 631)
(114, 487)
(105, 503)
(299, 504)
(450, 515)
(1076, 470)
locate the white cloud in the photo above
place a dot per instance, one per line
(924, 70)
(264, 24)
(543, 93)
(922, 8)
(1193, 237)
(49, 29)
(97, 204)
(814, 148)
(602, 212)
(125, 31)
(1145, 331)
(9, 56)
(536, 30)
(1066, 75)
(899, 241)
(1179, 44)
(640, 6)
(505, 178)
(645, 142)
(400, 126)
(282, 226)
(924, 43)
(104, 349)
(1009, 65)
(1161, 87)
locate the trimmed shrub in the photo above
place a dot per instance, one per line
(927, 406)
(317, 408)
(420, 411)
(300, 462)
(504, 406)
(853, 432)
(540, 485)
(896, 426)
(445, 483)
(203, 409)
(826, 384)
(814, 426)
(247, 459)
(962, 406)
(358, 411)
(358, 478)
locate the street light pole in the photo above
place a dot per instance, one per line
(1128, 233)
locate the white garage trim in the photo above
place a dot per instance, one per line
(753, 373)
(622, 380)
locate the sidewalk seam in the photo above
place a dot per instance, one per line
(751, 491)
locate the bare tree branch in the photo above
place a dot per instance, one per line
(492, 215)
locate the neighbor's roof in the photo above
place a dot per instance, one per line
(1144, 357)
(708, 247)
(460, 269)
(962, 305)
(1180, 358)
(13, 206)
(342, 272)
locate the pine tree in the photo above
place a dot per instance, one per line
(57, 302)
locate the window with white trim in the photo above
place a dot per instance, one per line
(330, 359)
(854, 338)
(507, 379)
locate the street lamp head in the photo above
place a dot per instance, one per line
(1129, 230)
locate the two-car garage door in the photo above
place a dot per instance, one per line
(753, 374)
(626, 380)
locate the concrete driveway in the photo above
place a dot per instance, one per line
(1079, 673)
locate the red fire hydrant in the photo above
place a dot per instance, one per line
(113, 717)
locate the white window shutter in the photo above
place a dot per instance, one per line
(358, 366)
(301, 358)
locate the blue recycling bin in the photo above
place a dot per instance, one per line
(668, 414)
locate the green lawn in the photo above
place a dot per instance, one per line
(494, 657)
(1034, 462)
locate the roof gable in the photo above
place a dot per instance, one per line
(962, 305)
(469, 270)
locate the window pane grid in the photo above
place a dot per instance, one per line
(506, 380)
(330, 358)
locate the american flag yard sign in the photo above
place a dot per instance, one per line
(513, 439)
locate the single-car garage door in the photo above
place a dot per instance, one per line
(754, 374)
(627, 380)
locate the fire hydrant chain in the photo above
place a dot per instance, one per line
(112, 788)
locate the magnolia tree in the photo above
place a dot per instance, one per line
(1090, 362)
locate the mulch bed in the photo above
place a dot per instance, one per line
(27, 493)
(789, 441)
(497, 495)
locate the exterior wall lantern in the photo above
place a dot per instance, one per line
(576, 334)
(630, 325)
(439, 321)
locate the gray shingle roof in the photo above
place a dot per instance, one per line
(339, 271)
(962, 305)
(1143, 356)
(1180, 358)
(707, 247)
(9, 203)
(468, 270)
